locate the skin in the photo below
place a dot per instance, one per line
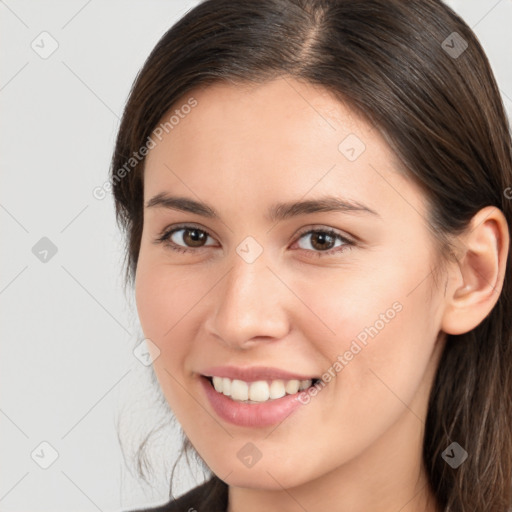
(357, 444)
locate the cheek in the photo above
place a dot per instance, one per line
(376, 331)
(163, 299)
(390, 357)
(347, 304)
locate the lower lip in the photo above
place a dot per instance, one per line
(250, 415)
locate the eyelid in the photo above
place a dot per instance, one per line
(349, 241)
(167, 232)
(328, 229)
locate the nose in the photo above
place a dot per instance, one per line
(251, 305)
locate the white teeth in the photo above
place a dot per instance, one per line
(277, 389)
(217, 384)
(239, 390)
(258, 391)
(292, 386)
(226, 386)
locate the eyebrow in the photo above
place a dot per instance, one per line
(277, 212)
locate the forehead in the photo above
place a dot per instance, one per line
(282, 114)
(267, 141)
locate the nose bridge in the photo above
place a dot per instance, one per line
(251, 303)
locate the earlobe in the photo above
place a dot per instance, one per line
(476, 281)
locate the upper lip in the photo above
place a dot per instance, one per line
(253, 373)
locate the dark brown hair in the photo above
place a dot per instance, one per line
(404, 65)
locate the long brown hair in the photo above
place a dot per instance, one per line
(417, 72)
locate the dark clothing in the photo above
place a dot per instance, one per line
(211, 496)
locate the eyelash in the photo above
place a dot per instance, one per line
(165, 236)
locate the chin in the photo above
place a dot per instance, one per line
(270, 477)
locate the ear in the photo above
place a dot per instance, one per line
(475, 282)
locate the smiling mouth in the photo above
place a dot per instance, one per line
(261, 391)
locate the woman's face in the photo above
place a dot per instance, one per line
(273, 293)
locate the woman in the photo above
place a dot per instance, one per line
(314, 196)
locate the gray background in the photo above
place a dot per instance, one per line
(68, 372)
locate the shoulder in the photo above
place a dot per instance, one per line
(211, 496)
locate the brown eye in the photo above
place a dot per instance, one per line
(194, 237)
(185, 238)
(323, 242)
